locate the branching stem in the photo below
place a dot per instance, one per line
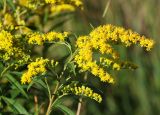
(80, 99)
(51, 100)
(4, 6)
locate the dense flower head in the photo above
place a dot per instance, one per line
(85, 61)
(109, 33)
(61, 8)
(34, 68)
(82, 91)
(6, 40)
(37, 38)
(6, 44)
(101, 40)
(58, 6)
(8, 48)
(73, 2)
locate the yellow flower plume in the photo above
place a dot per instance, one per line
(101, 39)
(82, 91)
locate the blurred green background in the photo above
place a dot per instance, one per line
(136, 92)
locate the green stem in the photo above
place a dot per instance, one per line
(5, 70)
(49, 91)
(5, 5)
(49, 109)
(80, 99)
(36, 104)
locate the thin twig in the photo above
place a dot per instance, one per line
(80, 99)
(52, 99)
(5, 70)
(36, 104)
(4, 6)
(106, 8)
(49, 91)
(79, 106)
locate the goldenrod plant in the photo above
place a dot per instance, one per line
(35, 82)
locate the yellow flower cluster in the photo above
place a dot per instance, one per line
(28, 3)
(8, 19)
(51, 1)
(6, 40)
(82, 91)
(64, 5)
(37, 38)
(101, 39)
(109, 33)
(73, 2)
(61, 8)
(84, 59)
(8, 49)
(6, 44)
(34, 68)
(56, 5)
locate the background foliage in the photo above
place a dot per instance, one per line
(136, 92)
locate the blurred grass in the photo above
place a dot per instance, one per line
(136, 92)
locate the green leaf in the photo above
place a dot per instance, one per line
(1, 2)
(72, 67)
(1, 67)
(46, 14)
(58, 101)
(65, 109)
(58, 104)
(19, 74)
(1, 105)
(14, 82)
(15, 105)
(11, 4)
(61, 51)
(37, 81)
(14, 92)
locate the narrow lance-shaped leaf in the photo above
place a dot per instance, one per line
(37, 81)
(15, 105)
(14, 82)
(65, 109)
(11, 4)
